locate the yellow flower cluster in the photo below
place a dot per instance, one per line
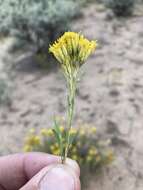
(55, 149)
(92, 154)
(86, 149)
(34, 140)
(110, 157)
(31, 141)
(46, 132)
(72, 49)
(28, 148)
(73, 131)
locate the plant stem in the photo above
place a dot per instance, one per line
(71, 102)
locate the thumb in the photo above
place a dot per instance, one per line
(59, 176)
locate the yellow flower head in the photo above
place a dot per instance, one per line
(32, 131)
(62, 129)
(46, 132)
(27, 148)
(72, 50)
(73, 131)
(110, 157)
(33, 140)
(93, 130)
(74, 157)
(92, 151)
(89, 158)
(82, 132)
(50, 132)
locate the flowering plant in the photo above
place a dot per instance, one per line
(88, 149)
(71, 51)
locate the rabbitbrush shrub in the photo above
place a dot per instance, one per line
(36, 22)
(5, 84)
(121, 7)
(88, 149)
(4, 92)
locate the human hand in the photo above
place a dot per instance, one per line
(38, 171)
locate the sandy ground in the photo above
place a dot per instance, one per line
(110, 96)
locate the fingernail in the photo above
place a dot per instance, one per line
(73, 164)
(57, 178)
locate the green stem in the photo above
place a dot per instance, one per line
(71, 102)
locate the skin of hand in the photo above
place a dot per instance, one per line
(38, 171)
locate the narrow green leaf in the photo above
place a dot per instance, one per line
(71, 139)
(57, 137)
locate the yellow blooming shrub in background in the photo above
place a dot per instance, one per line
(90, 152)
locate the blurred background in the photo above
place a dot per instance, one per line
(110, 93)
